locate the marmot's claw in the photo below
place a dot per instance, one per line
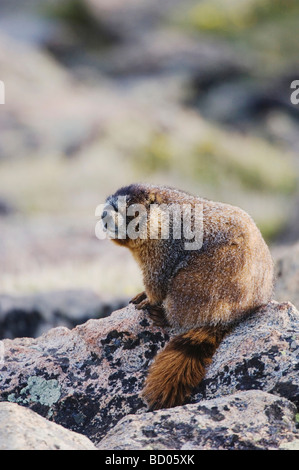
(138, 298)
(143, 305)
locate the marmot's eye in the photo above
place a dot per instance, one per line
(152, 202)
(151, 199)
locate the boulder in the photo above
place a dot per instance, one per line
(287, 273)
(89, 378)
(129, 20)
(85, 379)
(252, 420)
(6, 207)
(22, 429)
(58, 114)
(173, 53)
(261, 353)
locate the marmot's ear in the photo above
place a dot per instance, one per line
(154, 198)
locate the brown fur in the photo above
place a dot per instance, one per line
(181, 366)
(198, 293)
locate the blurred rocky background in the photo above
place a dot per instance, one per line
(102, 93)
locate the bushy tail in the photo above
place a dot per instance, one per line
(180, 367)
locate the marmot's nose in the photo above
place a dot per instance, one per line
(104, 220)
(109, 219)
(104, 214)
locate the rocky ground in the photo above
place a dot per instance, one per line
(88, 380)
(33, 315)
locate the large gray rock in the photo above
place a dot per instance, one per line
(171, 53)
(89, 378)
(130, 19)
(243, 421)
(261, 353)
(287, 273)
(22, 429)
(71, 111)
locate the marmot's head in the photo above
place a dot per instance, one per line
(125, 215)
(138, 213)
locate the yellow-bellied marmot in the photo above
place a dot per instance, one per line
(199, 292)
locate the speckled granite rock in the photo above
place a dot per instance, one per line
(89, 378)
(287, 273)
(261, 353)
(22, 429)
(244, 421)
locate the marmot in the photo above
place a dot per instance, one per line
(200, 293)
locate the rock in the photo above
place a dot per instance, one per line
(88, 378)
(6, 207)
(32, 315)
(261, 353)
(131, 19)
(58, 114)
(252, 420)
(85, 379)
(22, 429)
(166, 52)
(287, 273)
(294, 445)
(29, 27)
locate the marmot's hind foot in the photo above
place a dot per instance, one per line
(157, 315)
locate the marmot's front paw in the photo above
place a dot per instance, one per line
(155, 312)
(140, 301)
(144, 304)
(138, 298)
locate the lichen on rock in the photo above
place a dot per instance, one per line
(38, 389)
(89, 378)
